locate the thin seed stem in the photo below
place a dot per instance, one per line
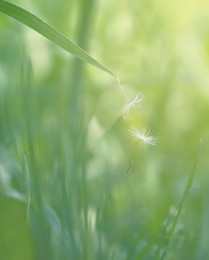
(118, 81)
(130, 166)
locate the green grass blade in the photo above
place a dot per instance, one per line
(49, 32)
(172, 221)
(28, 193)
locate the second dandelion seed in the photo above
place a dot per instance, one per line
(143, 137)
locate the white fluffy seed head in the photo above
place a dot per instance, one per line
(143, 137)
(136, 102)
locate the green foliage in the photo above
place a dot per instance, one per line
(65, 147)
(16, 240)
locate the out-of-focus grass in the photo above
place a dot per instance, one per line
(65, 145)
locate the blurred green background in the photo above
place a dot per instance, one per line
(65, 147)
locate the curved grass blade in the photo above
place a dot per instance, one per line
(172, 221)
(49, 32)
(28, 192)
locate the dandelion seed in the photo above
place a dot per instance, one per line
(144, 137)
(134, 103)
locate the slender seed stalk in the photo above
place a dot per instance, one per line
(125, 95)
